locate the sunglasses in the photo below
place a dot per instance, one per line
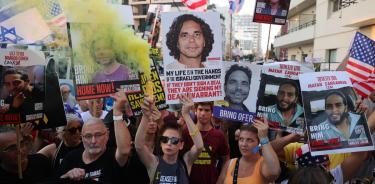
(174, 140)
(74, 130)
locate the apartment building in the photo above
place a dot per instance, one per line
(324, 29)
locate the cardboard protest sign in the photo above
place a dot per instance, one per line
(135, 92)
(22, 85)
(192, 51)
(241, 85)
(99, 68)
(271, 13)
(279, 96)
(333, 126)
(152, 28)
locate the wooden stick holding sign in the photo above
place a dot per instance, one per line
(18, 133)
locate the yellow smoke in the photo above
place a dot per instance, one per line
(133, 51)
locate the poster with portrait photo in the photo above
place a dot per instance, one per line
(241, 84)
(332, 122)
(280, 97)
(191, 54)
(22, 85)
(100, 68)
(271, 11)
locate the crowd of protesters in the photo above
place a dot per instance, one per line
(189, 146)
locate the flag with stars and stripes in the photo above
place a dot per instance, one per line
(53, 13)
(361, 64)
(196, 5)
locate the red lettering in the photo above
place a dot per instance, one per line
(85, 90)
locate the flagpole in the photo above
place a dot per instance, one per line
(230, 38)
(268, 41)
(18, 134)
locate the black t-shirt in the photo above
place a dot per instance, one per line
(62, 151)
(104, 170)
(38, 170)
(136, 171)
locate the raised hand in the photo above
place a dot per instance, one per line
(262, 127)
(147, 106)
(187, 103)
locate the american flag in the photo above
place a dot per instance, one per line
(197, 5)
(53, 13)
(361, 64)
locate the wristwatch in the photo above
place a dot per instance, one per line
(263, 141)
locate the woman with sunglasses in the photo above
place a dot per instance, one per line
(168, 166)
(70, 136)
(252, 166)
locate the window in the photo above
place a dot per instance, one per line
(293, 57)
(336, 5)
(331, 60)
(303, 57)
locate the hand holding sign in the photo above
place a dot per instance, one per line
(187, 102)
(148, 106)
(262, 127)
(120, 101)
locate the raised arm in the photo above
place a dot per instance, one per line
(122, 133)
(351, 164)
(144, 152)
(195, 134)
(270, 166)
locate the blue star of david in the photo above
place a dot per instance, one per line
(9, 35)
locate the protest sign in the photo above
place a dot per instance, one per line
(271, 13)
(241, 85)
(99, 67)
(279, 98)
(135, 92)
(22, 85)
(333, 126)
(152, 28)
(192, 51)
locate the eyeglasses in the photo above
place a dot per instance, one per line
(14, 82)
(98, 135)
(174, 140)
(74, 129)
(13, 147)
(195, 35)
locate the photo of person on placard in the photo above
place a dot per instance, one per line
(237, 86)
(189, 40)
(287, 110)
(342, 123)
(273, 7)
(111, 70)
(22, 97)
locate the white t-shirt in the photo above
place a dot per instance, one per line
(87, 115)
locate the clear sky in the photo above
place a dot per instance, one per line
(248, 9)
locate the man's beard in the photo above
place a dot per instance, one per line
(342, 117)
(290, 106)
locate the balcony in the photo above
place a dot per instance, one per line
(164, 1)
(357, 13)
(301, 34)
(136, 2)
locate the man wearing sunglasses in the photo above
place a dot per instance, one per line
(35, 167)
(22, 97)
(97, 161)
(168, 168)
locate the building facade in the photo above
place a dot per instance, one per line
(248, 33)
(324, 29)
